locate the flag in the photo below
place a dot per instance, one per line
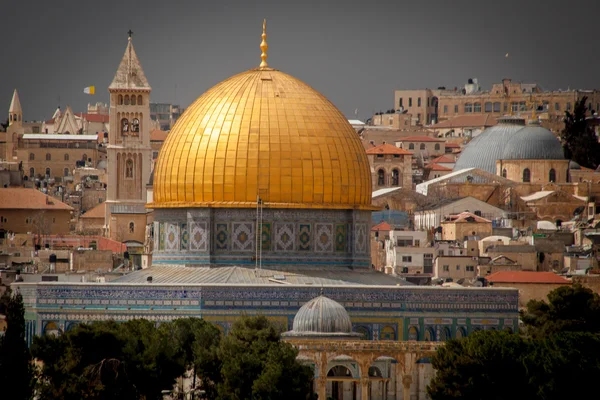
(90, 90)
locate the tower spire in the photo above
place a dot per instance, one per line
(264, 46)
(15, 112)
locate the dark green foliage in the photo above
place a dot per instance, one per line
(579, 140)
(16, 370)
(136, 360)
(485, 365)
(257, 365)
(569, 309)
(557, 357)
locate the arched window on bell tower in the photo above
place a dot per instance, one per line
(129, 169)
(135, 125)
(124, 126)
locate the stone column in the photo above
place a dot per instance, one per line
(406, 382)
(322, 387)
(364, 387)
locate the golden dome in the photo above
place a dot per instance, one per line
(262, 132)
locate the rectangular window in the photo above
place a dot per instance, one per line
(418, 102)
(497, 107)
(404, 242)
(568, 106)
(514, 106)
(505, 107)
(522, 106)
(470, 268)
(556, 106)
(379, 155)
(488, 107)
(446, 268)
(410, 101)
(417, 243)
(456, 109)
(458, 267)
(446, 109)
(401, 105)
(406, 258)
(477, 107)
(469, 107)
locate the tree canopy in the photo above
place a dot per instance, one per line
(569, 309)
(556, 356)
(137, 360)
(16, 370)
(579, 140)
(257, 365)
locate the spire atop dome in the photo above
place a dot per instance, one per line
(130, 74)
(15, 104)
(264, 46)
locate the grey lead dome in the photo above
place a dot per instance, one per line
(510, 139)
(322, 315)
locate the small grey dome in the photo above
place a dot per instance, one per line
(322, 315)
(533, 143)
(483, 151)
(322, 318)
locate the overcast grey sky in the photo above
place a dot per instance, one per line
(355, 53)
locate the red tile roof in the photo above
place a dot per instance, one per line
(382, 226)
(467, 121)
(419, 139)
(452, 146)
(388, 149)
(22, 198)
(437, 167)
(93, 117)
(97, 212)
(158, 136)
(526, 277)
(443, 159)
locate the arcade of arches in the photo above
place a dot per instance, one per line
(363, 369)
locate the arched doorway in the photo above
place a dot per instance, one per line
(343, 384)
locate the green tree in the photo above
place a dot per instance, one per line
(192, 344)
(484, 365)
(16, 369)
(257, 365)
(565, 365)
(106, 360)
(569, 309)
(579, 140)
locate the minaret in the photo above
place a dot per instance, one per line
(128, 151)
(15, 112)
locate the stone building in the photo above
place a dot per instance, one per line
(56, 156)
(531, 285)
(424, 146)
(390, 166)
(29, 210)
(503, 98)
(463, 225)
(9, 140)
(455, 267)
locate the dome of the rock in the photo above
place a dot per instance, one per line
(262, 132)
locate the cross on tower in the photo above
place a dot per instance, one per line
(130, 33)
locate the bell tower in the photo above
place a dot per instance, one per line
(128, 150)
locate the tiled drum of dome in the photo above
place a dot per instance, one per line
(242, 236)
(324, 238)
(304, 237)
(221, 237)
(340, 238)
(198, 239)
(285, 238)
